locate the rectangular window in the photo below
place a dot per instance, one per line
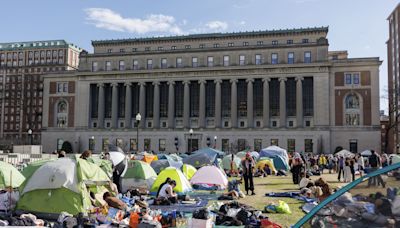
(163, 99)
(274, 58)
(179, 62)
(135, 64)
(188, 46)
(225, 145)
(305, 41)
(122, 50)
(162, 144)
(290, 97)
(216, 45)
(160, 48)
(257, 144)
(258, 95)
(132, 145)
(226, 60)
(274, 42)
(291, 145)
(230, 45)
(308, 145)
(259, 43)
(274, 97)
(163, 63)
(201, 46)
(173, 47)
(179, 91)
(134, 49)
(307, 57)
(109, 50)
(108, 66)
(258, 59)
(149, 64)
(274, 142)
(242, 98)
(308, 96)
(105, 142)
(195, 62)
(289, 41)
(210, 61)
(356, 78)
(94, 66)
(245, 43)
(194, 98)
(348, 79)
(242, 60)
(226, 98)
(147, 144)
(149, 101)
(290, 58)
(121, 65)
(210, 98)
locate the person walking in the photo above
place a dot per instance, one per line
(297, 165)
(361, 164)
(375, 164)
(352, 169)
(340, 167)
(248, 165)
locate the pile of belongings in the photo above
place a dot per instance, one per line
(281, 207)
(23, 220)
(235, 214)
(375, 210)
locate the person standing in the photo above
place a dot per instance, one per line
(248, 165)
(352, 169)
(375, 163)
(340, 167)
(347, 170)
(297, 165)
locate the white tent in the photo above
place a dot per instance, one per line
(366, 153)
(344, 153)
(210, 175)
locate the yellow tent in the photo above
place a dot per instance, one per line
(182, 184)
(188, 171)
(261, 164)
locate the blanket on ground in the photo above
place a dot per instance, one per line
(294, 195)
(180, 206)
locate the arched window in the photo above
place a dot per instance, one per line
(352, 110)
(62, 114)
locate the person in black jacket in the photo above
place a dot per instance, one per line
(375, 164)
(248, 166)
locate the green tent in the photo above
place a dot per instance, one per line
(10, 176)
(139, 174)
(61, 185)
(182, 184)
(241, 154)
(226, 162)
(105, 165)
(188, 171)
(33, 166)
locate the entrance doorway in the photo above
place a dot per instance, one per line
(353, 146)
(193, 145)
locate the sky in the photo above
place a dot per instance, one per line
(359, 26)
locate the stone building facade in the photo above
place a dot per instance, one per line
(22, 65)
(234, 90)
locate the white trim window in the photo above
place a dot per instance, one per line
(226, 60)
(352, 107)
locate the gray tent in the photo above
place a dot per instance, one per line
(203, 157)
(160, 165)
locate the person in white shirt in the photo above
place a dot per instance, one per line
(8, 199)
(167, 191)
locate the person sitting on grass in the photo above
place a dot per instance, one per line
(167, 192)
(165, 182)
(305, 179)
(267, 170)
(234, 189)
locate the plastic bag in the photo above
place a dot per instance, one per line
(271, 208)
(283, 207)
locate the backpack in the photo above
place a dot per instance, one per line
(373, 161)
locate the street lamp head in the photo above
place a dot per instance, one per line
(215, 137)
(138, 117)
(29, 131)
(92, 137)
(191, 131)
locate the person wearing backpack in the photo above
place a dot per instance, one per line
(375, 164)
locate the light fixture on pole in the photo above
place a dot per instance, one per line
(138, 119)
(215, 142)
(91, 143)
(190, 140)
(30, 136)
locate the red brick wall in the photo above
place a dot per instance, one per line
(339, 79)
(366, 99)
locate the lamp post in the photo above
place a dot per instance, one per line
(91, 144)
(138, 119)
(30, 136)
(190, 140)
(215, 142)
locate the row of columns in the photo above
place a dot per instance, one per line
(202, 103)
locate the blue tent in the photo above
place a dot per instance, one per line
(203, 157)
(160, 165)
(279, 162)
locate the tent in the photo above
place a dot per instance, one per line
(139, 174)
(148, 158)
(255, 155)
(175, 157)
(273, 151)
(61, 185)
(210, 175)
(280, 163)
(172, 157)
(188, 171)
(10, 176)
(182, 184)
(395, 158)
(160, 165)
(226, 162)
(219, 153)
(366, 153)
(105, 165)
(321, 207)
(203, 157)
(344, 153)
(33, 166)
(241, 154)
(261, 164)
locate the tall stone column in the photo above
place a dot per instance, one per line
(266, 102)
(299, 101)
(234, 103)
(250, 115)
(217, 119)
(156, 105)
(282, 102)
(186, 104)
(128, 105)
(142, 103)
(100, 107)
(114, 105)
(202, 104)
(171, 104)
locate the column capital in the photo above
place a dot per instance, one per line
(284, 79)
(156, 83)
(201, 81)
(141, 83)
(100, 84)
(217, 81)
(234, 81)
(266, 79)
(114, 84)
(171, 82)
(250, 80)
(186, 82)
(299, 78)
(128, 84)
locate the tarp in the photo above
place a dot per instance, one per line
(344, 153)
(182, 184)
(59, 186)
(10, 176)
(188, 171)
(116, 154)
(160, 165)
(273, 151)
(226, 162)
(210, 175)
(261, 164)
(208, 149)
(366, 153)
(139, 174)
(203, 157)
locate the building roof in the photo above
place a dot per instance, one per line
(214, 35)
(37, 44)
